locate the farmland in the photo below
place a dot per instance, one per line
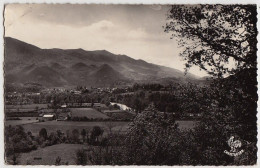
(27, 106)
(120, 115)
(27, 110)
(48, 155)
(52, 126)
(21, 121)
(87, 112)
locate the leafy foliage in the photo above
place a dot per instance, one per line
(81, 157)
(220, 39)
(43, 133)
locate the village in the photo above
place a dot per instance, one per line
(90, 104)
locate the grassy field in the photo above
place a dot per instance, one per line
(24, 120)
(87, 112)
(52, 126)
(48, 155)
(120, 115)
(18, 110)
(26, 106)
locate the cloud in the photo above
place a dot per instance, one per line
(156, 7)
(42, 14)
(102, 25)
(138, 36)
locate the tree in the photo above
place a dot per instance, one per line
(15, 160)
(36, 108)
(68, 135)
(58, 161)
(59, 134)
(53, 138)
(17, 141)
(81, 157)
(110, 125)
(83, 134)
(137, 104)
(75, 135)
(220, 39)
(152, 139)
(43, 133)
(96, 132)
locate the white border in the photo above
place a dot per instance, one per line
(136, 1)
(2, 2)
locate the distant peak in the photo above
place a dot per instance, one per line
(80, 64)
(80, 49)
(141, 60)
(104, 51)
(105, 65)
(17, 42)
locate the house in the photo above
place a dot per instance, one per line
(86, 104)
(48, 117)
(122, 106)
(97, 105)
(62, 117)
(63, 106)
(77, 92)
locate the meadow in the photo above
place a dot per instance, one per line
(22, 121)
(52, 126)
(27, 106)
(87, 112)
(48, 155)
(67, 152)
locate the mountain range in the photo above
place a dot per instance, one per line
(26, 63)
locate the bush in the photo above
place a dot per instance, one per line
(18, 141)
(81, 157)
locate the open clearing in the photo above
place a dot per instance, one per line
(87, 112)
(120, 114)
(18, 110)
(48, 155)
(52, 126)
(27, 106)
(22, 121)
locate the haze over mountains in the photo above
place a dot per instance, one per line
(26, 63)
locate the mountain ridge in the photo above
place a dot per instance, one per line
(77, 66)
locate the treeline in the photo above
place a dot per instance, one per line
(121, 117)
(146, 87)
(32, 87)
(180, 101)
(18, 141)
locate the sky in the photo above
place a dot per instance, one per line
(132, 30)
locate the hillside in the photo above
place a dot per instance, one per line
(25, 63)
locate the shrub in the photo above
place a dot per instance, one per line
(81, 157)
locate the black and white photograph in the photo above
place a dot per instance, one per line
(130, 84)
